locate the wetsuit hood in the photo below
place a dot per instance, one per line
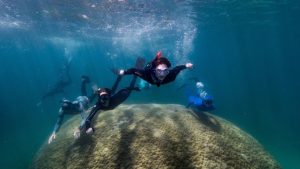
(105, 98)
(160, 59)
(106, 90)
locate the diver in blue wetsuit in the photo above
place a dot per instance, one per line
(202, 101)
(158, 71)
(78, 106)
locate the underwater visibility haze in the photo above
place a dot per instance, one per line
(246, 53)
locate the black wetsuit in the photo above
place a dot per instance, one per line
(115, 100)
(84, 92)
(148, 74)
(63, 81)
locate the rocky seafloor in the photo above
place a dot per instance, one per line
(154, 136)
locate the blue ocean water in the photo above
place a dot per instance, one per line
(246, 54)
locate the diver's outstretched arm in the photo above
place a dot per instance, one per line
(88, 120)
(176, 70)
(132, 83)
(59, 121)
(57, 125)
(133, 71)
(116, 84)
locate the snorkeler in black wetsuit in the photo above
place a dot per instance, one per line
(78, 106)
(63, 81)
(158, 71)
(108, 100)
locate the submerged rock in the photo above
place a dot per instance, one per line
(155, 136)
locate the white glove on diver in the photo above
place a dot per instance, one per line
(76, 133)
(121, 72)
(189, 65)
(51, 138)
(90, 131)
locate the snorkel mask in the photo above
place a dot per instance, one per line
(161, 71)
(104, 97)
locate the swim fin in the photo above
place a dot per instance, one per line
(115, 71)
(140, 63)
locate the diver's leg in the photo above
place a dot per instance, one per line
(132, 83)
(83, 89)
(115, 86)
(119, 97)
(84, 80)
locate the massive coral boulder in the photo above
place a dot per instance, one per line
(155, 136)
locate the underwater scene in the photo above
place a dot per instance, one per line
(191, 84)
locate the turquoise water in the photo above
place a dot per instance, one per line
(246, 53)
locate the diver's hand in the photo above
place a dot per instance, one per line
(76, 134)
(51, 138)
(121, 72)
(189, 65)
(89, 131)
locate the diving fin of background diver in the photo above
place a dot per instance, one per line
(140, 63)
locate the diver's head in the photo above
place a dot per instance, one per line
(65, 103)
(104, 96)
(161, 71)
(161, 66)
(199, 85)
(160, 59)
